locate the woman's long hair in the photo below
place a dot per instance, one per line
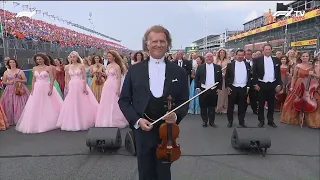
(117, 59)
(75, 53)
(51, 61)
(43, 56)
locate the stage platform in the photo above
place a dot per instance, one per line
(207, 155)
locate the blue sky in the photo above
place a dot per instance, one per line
(129, 20)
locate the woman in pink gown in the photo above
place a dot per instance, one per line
(80, 106)
(109, 113)
(42, 109)
(12, 102)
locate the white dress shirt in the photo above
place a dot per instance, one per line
(240, 74)
(105, 63)
(157, 70)
(250, 62)
(268, 70)
(194, 63)
(210, 77)
(157, 75)
(180, 62)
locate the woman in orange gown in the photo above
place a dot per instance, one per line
(285, 71)
(3, 120)
(313, 119)
(289, 114)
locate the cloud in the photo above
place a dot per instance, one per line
(252, 15)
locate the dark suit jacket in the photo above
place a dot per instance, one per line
(187, 65)
(202, 73)
(258, 70)
(2, 70)
(230, 73)
(135, 93)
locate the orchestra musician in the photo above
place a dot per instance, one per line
(208, 74)
(267, 81)
(183, 63)
(238, 78)
(145, 90)
(252, 92)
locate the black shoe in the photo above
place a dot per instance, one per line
(229, 125)
(243, 125)
(213, 125)
(204, 125)
(272, 124)
(261, 125)
(255, 112)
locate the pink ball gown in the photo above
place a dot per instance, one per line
(78, 110)
(13, 104)
(109, 113)
(41, 111)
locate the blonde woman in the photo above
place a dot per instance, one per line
(109, 113)
(79, 108)
(222, 60)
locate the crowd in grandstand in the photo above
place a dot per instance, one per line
(37, 30)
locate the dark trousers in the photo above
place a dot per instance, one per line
(266, 93)
(238, 95)
(253, 95)
(149, 166)
(152, 168)
(208, 103)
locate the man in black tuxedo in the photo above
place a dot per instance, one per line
(267, 81)
(238, 78)
(143, 98)
(252, 92)
(185, 64)
(3, 66)
(208, 74)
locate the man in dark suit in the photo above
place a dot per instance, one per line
(185, 64)
(252, 92)
(238, 78)
(267, 81)
(3, 66)
(143, 98)
(208, 74)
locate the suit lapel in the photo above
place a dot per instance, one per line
(168, 78)
(274, 63)
(274, 66)
(233, 69)
(262, 64)
(205, 72)
(145, 74)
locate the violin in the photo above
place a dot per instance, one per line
(304, 102)
(18, 88)
(99, 76)
(168, 148)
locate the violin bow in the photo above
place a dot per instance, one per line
(212, 87)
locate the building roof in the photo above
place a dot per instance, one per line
(208, 37)
(252, 20)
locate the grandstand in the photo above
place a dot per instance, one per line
(23, 37)
(213, 42)
(301, 33)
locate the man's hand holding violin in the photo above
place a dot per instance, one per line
(171, 118)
